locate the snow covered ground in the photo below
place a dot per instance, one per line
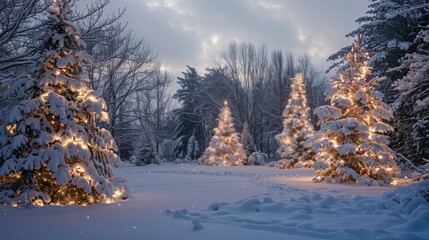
(170, 200)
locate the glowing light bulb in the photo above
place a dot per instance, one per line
(11, 128)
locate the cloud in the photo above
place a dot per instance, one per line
(192, 32)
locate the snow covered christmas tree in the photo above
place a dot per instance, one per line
(351, 144)
(52, 150)
(297, 129)
(225, 147)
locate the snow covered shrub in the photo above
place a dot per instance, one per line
(179, 160)
(407, 199)
(133, 159)
(257, 158)
(52, 149)
(147, 153)
(424, 172)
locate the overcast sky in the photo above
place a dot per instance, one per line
(192, 32)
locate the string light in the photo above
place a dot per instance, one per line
(352, 148)
(225, 148)
(70, 144)
(11, 128)
(297, 128)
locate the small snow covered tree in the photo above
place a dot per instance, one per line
(257, 158)
(351, 144)
(193, 150)
(297, 129)
(147, 152)
(225, 147)
(247, 141)
(52, 150)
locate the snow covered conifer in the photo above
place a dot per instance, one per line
(247, 141)
(189, 117)
(225, 147)
(147, 153)
(51, 149)
(351, 144)
(297, 129)
(413, 101)
(193, 150)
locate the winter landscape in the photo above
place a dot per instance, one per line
(286, 137)
(249, 202)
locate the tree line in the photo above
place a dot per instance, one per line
(395, 34)
(257, 84)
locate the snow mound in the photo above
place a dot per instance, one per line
(407, 199)
(400, 214)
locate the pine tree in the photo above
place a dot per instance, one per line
(193, 150)
(297, 129)
(389, 27)
(413, 128)
(147, 152)
(188, 116)
(351, 144)
(225, 148)
(52, 150)
(247, 142)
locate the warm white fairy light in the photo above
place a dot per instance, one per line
(76, 152)
(225, 147)
(11, 128)
(350, 121)
(297, 128)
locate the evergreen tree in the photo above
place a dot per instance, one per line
(188, 116)
(297, 129)
(52, 150)
(351, 144)
(389, 27)
(147, 152)
(247, 142)
(193, 150)
(225, 148)
(413, 128)
(257, 158)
